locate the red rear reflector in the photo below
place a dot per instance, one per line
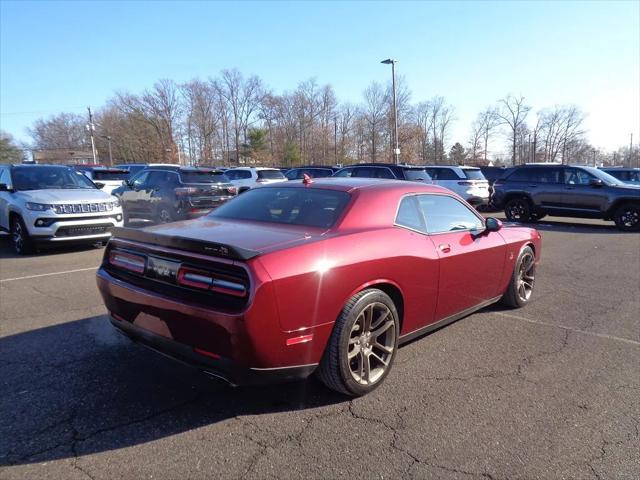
(215, 356)
(127, 261)
(301, 339)
(117, 317)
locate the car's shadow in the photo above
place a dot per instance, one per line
(79, 388)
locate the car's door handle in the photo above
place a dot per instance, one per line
(444, 247)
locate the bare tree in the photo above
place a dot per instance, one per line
(62, 131)
(374, 115)
(513, 113)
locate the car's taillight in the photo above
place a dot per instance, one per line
(127, 261)
(205, 280)
(232, 190)
(184, 191)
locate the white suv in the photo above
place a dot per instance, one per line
(52, 204)
(246, 178)
(468, 182)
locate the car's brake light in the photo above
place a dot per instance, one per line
(205, 280)
(183, 191)
(232, 190)
(127, 261)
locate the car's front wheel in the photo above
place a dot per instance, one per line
(363, 344)
(627, 217)
(518, 210)
(166, 214)
(523, 279)
(22, 242)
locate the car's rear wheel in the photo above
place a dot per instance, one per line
(363, 344)
(166, 214)
(22, 242)
(518, 210)
(627, 217)
(523, 279)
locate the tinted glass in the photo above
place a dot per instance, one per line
(363, 172)
(473, 174)
(536, 175)
(317, 172)
(203, 177)
(444, 174)
(345, 172)
(409, 215)
(270, 175)
(446, 214)
(382, 173)
(292, 206)
(38, 178)
(110, 175)
(416, 174)
(293, 174)
(140, 179)
(576, 176)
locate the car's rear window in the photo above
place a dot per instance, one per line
(110, 174)
(416, 174)
(293, 206)
(203, 177)
(270, 175)
(473, 174)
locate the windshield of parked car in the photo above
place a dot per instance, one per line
(604, 176)
(473, 174)
(99, 175)
(416, 174)
(293, 206)
(203, 177)
(41, 178)
(270, 175)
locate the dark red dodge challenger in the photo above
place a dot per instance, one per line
(325, 276)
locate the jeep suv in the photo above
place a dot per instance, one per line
(54, 204)
(170, 193)
(528, 193)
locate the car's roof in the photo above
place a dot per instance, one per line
(254, 168)
(348, 184)
(403, 166)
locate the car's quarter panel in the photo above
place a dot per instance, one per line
(313, 282)
(516, 238)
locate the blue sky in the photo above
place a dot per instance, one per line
(63, 56)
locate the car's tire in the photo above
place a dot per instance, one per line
(627, 217)
(166, 214)
(363, 344)
(20, 238)
(520, 288)
(518, 209)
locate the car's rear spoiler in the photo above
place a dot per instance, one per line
(182, 243)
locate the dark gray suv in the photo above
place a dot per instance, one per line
(529, 192)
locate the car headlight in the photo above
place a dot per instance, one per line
(116, 202)
(38, 207)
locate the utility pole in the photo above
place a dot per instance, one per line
(335, 140)
(91, 127)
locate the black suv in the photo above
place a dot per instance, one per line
(167, 194)
(385, 170)
(529, 192)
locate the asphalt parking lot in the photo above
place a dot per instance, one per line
(549, 391)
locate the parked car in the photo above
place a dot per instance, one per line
(53, 205)
(468, 182)
(246, 178)
(312, 171)
(107, 178)
(168, 193)
(385, 170)
(528, 193)
(325, 276)
(626, 175)
(135, 168)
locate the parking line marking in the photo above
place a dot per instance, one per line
(594, 334)
(48, 274)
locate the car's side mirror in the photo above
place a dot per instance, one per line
(596, 182)
(99, 185)
(5, 188)
(493, 224)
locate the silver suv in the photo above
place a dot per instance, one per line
(51, 204)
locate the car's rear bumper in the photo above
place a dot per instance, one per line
(212, 364)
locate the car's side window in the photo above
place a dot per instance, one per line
(140, 180)
(575, 176)
(445, 174)
(244, 174)
(345, 172)
(5, 177)
(447, 214)
(409, 214)
(292, 174)
(382, 172)
(522, 175)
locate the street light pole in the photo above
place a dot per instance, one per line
(396, 150)
(108, 138)
(91, 127)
